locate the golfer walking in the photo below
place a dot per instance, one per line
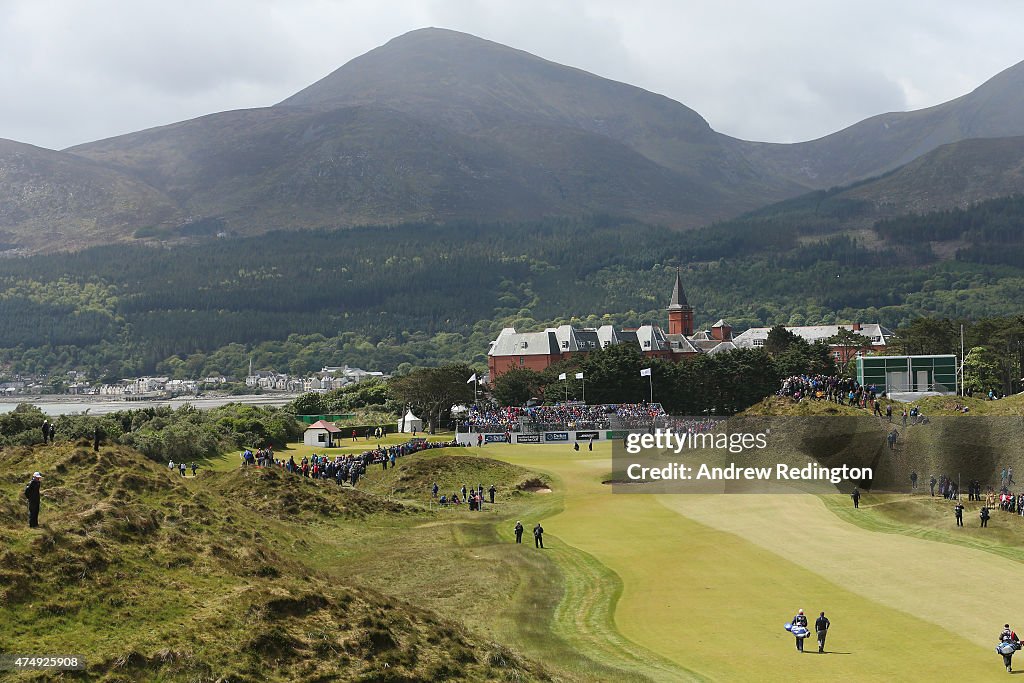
(821, 625)
(538, 536)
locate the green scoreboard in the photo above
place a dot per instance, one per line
(909, 373)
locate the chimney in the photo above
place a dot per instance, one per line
(856, 327)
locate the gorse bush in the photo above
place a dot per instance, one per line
(160, 432)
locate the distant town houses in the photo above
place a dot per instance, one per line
(135, 388)
(330, 378)
(268, 380)
(149, 386)
(327, 379)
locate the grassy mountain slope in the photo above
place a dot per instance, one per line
(976, 180)
(58, 201)
(887, 141)
(953, 176)
(465, 83)
(438, 125)
(287, 168)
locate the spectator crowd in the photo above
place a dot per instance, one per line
(841, 390)
(482, 418)
(341, 468)
(575, 416)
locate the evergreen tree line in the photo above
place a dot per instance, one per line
(992, 230)
(391, 298)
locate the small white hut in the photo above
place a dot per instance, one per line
(322, 434)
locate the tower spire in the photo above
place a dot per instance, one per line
(678, 295)
(680, 313)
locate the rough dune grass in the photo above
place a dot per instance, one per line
(975, 445)
(152, 576)
(923, 516)
(451, 469)
(952, 405)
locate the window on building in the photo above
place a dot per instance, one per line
(526, 344)
(522, 360)
(647, 343)
(759, 342)
(565, 344)
(607, 343)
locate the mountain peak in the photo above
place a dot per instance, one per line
(469, 83)
(414, 64)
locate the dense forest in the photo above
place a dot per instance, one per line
(390, 298)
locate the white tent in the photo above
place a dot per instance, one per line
(410, 423)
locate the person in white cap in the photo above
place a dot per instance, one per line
(32, 493)
(800, 620)
(1008, 636)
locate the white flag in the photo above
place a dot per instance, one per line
(579, 375)
(646, 372)
(562, 376)
(471, 379)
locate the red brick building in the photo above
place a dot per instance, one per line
(537, 350)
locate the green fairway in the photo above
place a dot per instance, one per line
(708, 581)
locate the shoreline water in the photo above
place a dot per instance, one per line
(57, 405)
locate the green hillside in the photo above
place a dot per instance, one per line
(427, 294)
(976, 444)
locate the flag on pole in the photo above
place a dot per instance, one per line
(646, 372)
(471, 379)
(562, 376)
(579, 375)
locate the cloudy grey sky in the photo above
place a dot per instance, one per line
(782, 71)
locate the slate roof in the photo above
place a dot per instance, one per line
(878, 335)
(680, 344)
(512, 343)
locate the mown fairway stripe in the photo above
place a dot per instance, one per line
(709, 581)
